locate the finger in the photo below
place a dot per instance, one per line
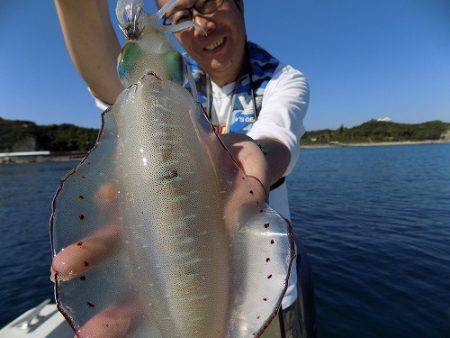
(89, 252)
(116, 321)
(106, 196)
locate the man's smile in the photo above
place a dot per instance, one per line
(216, 45)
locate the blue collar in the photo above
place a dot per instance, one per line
(248, 91)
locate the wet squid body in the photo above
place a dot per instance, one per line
(198, 254)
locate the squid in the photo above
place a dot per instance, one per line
(158, 232)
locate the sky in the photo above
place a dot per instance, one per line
(363, 59)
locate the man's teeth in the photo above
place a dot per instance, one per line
(215, 45)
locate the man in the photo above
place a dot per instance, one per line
(249, 95)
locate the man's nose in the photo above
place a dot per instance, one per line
(207, 26)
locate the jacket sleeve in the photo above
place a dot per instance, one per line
(284, 106)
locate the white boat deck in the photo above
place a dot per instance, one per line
(43, 321)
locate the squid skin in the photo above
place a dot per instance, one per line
(199, 254)
(181, 219)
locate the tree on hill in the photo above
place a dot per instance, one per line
(379, 131)
(26, 135)
(64, 137)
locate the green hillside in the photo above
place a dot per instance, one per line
(376, 131)
(25, 135)
(18, 135)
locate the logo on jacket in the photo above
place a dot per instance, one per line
(242, 121)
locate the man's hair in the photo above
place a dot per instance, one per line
(238, 3)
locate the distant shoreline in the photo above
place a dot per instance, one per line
(372, 144)
(80, 156)
(41, 159)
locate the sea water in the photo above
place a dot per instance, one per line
(375, 220)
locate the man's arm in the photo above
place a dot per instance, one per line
(277, 157)
(280, 123)
(266, 160)
(270, 150)
(92, 44)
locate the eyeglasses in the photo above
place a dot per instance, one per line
(204, 7)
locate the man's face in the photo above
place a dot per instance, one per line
(221, 51)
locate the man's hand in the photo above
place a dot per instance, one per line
(250, 157)
(77, 258)
(266, 159)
